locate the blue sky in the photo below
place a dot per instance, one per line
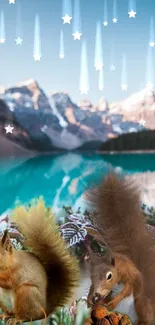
(130, 36)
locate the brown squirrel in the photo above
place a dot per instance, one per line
(131, 257)
(33, 284)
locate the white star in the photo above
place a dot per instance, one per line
(61, 56)
(77, 35)
(132, 14)
(112, 68)
(37, 57)
(114, 20)
(152, 44)
(142, 122)
(124, 86)
(2, 40)
(9, 128)
(12, 1)
(84, 90)
(149, 86)
(98, 66)
(105, 23)
(66, 19)
(18, 41)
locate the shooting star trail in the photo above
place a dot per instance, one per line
(112, 58)
(66, 11)
(132, 9)
(84, 82)
(98, 64)
(151, 36)
(77, 21)
(101, 80)
(61, 52)
(19, 38)
(149, 69)
(105, 21)
(37, 40)
(2, 28)
(115, 16)
(124, 84)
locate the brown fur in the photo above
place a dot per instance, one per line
(41, 279)
(121, 223)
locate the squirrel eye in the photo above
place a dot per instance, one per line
(109, 276)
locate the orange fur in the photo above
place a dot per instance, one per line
(132, 259)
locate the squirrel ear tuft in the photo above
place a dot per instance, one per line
(112, 261)
(6, 242)
(111, 258)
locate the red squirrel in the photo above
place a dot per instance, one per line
(131, 257)
(34, 283)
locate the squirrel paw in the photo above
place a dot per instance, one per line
(4, 316)
(14, 321)
(110, 305)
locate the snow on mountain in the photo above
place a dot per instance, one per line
(26, 82)
(140, 105)
(62, 122)
(27, 93)
(136, 101)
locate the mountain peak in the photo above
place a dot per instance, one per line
(142, 98)
(2, 90)
(143, 94)
(85, 104)
(102, 105)
(27, 83)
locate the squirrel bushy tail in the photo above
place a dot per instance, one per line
(42, 236)
(121, 222)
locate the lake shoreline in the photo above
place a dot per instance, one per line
(90, 152)
(126, 152)
(23, 152)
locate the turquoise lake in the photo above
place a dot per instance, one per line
(62, 179)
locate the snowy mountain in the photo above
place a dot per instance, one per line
(46, 124)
